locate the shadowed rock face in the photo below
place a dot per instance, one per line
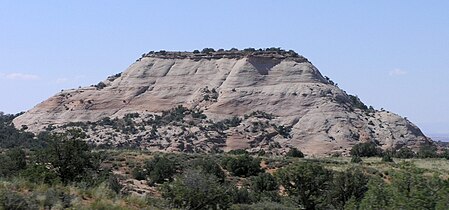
(323, 117)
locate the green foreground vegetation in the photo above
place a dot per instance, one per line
(60, 171)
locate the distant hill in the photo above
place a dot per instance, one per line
(268, 99)
(440, 139)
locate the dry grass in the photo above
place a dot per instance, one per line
(101, 197)
(432, 164)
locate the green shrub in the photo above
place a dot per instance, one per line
(55, 198)
(208, 50)
(378, 196)
(15, 201)
(243, 195)
(294, 152)
(445, 154)
(387, 158)
(10, 137)
(249, 50)
(70, 157)
(159, 169)
(138, 173)
(39, 173)
(265, 187)
(209, 166)
(12, 162)
(284, 131)
(100, 85)
(51, 198)
(365, 150)
(243, 165)
(114, 184)
(305, 183)
(357, 103)
(356, 159)
(427, 151)
(197, 190)
(352, 183)
(404, 152)
(260, 114)
(238, 152)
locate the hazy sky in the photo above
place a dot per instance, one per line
(392, 54)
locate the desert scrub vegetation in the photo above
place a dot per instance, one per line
(60, 171)
(227, 181)
(180, 129)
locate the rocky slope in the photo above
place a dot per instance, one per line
(320, 117)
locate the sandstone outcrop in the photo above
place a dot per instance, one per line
(322, 118)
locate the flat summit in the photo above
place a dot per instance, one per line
(267, 99)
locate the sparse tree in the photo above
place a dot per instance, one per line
(208, 50)
(367, 149)
(159, 169)
(70, 157)
(265, 187)
(305, 183)
(347, 185)
(242, 165)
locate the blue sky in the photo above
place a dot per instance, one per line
(392, 54)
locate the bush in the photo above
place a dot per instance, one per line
(356, 159)
(243, 195)
(197, 190)
(208, 50)
(249, 50)
(445, 154)
(357, 103)
(209, 166)
(138, 173)
(56, 198)
(427, 151)
(284, 131)
(159, 169)
(68, 156)
(365, 150)
(263, 182)
(51, 198)
(10, 137)
(114, 184)
(352, 183)
(405, 152)
(305, 183)
(243, 165)
(12, 162)
(265, 187)
(100, 85)
(378, 196)
(15, 201)
(40, 174)
(293, 152)
(387, 158)
(238, 152)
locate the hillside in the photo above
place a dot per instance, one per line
(278, 99)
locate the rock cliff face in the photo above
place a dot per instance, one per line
(320, 117)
